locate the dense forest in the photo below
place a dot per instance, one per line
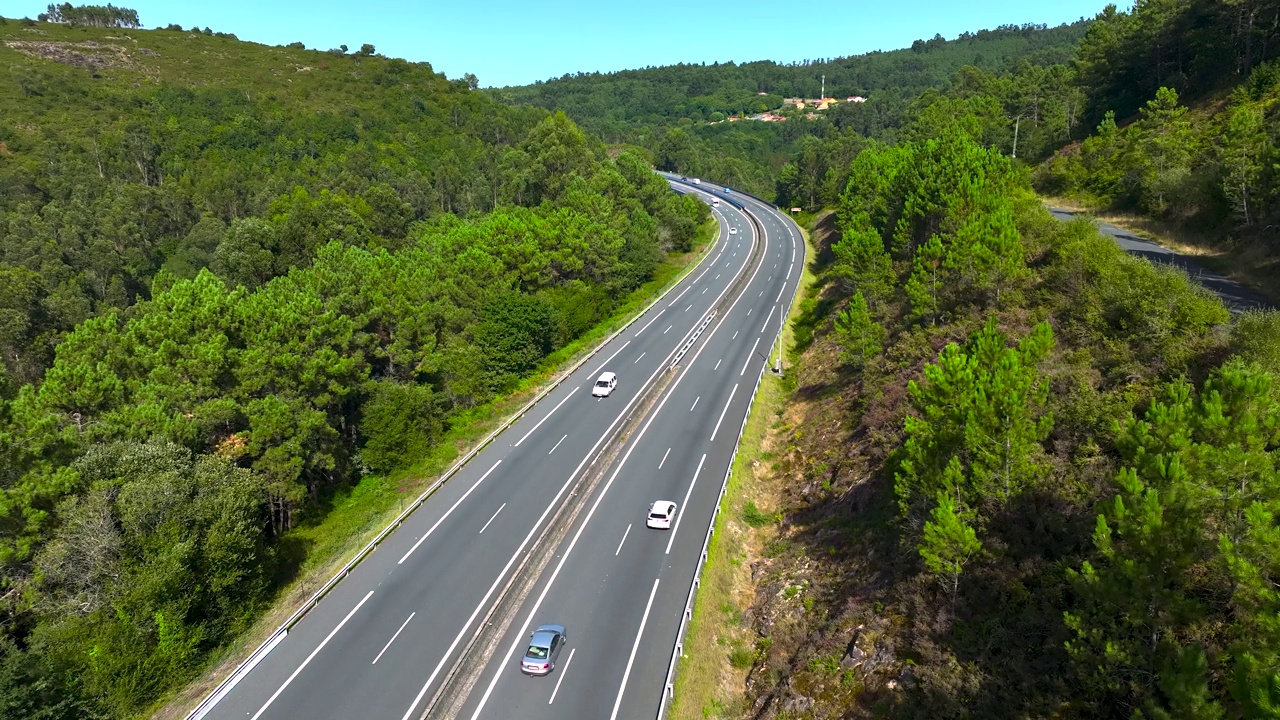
(1183, 98)
(677, 111)
(236, 280)
(1021, 474)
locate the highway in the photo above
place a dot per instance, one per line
(546, 525)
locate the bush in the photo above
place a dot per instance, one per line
(399, 423)
(1255, 337)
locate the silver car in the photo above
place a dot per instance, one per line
(544, 647)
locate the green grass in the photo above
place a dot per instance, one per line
(709, 681)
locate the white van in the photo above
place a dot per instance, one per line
(604, 385)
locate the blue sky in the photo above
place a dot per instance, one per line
(514, 42)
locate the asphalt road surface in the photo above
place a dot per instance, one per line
(381, 644)
(1237, 297)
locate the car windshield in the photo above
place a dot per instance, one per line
(537, 652)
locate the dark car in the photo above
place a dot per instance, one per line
(544, 647)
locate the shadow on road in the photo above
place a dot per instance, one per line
(1235, 296)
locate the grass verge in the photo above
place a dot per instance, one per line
(719, 649)
(356, 515)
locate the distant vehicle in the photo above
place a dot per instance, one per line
(683, 177)
(726, 191)
(661, 513)
(733, 231)
(604, 385)
(696, 181)
(545, 644)
(715, 202)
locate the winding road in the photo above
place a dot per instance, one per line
(547, 524)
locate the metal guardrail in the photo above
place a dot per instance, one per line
(668, 689)
(244, 668)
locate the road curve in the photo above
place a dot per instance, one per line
(382, 641)
(619, 587)
(1235, 296)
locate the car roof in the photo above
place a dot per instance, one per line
(663, 506)
(605, 376)
(549, 629)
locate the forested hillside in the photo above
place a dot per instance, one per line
(1021, 475)
(234, 281)
(671, 109)
(1184, 97)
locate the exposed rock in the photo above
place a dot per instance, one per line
(853, 658)
(89, 54)
(797, 704)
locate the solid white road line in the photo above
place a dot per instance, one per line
(611, 357)
(544, 419)
(685, 504)
(633, 362)
(495, 514)
(448, 513)
(624, 539)
(315, 652)
(749, 356)
(393, 637)
(562, 673)
(722, 412)
(635, 646)
(553, 448)
(695, 403)
(664, 458)
(651, 321)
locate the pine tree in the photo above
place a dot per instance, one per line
(861, 338)
(949, 542)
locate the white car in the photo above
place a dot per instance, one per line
(604, 385)
(733, 231)
(661, 513)
(696, 181)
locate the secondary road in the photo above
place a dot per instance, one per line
(1237, 297)
(381, 643)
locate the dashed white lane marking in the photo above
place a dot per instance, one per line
(631, 660)
(651, 321)
(544, 419)
(685, 503)
(448, 513)
(624, 539)
(717, 367)
(664, 458)
(611, 357)
(633, 362)
(722, 412)
(562, 674)
(695, 403)
(326, 640)
(495, 514)
(749, 356)
(688, 308)
(664, 332)
(553, 448)
(682, 292)
(393, 638)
